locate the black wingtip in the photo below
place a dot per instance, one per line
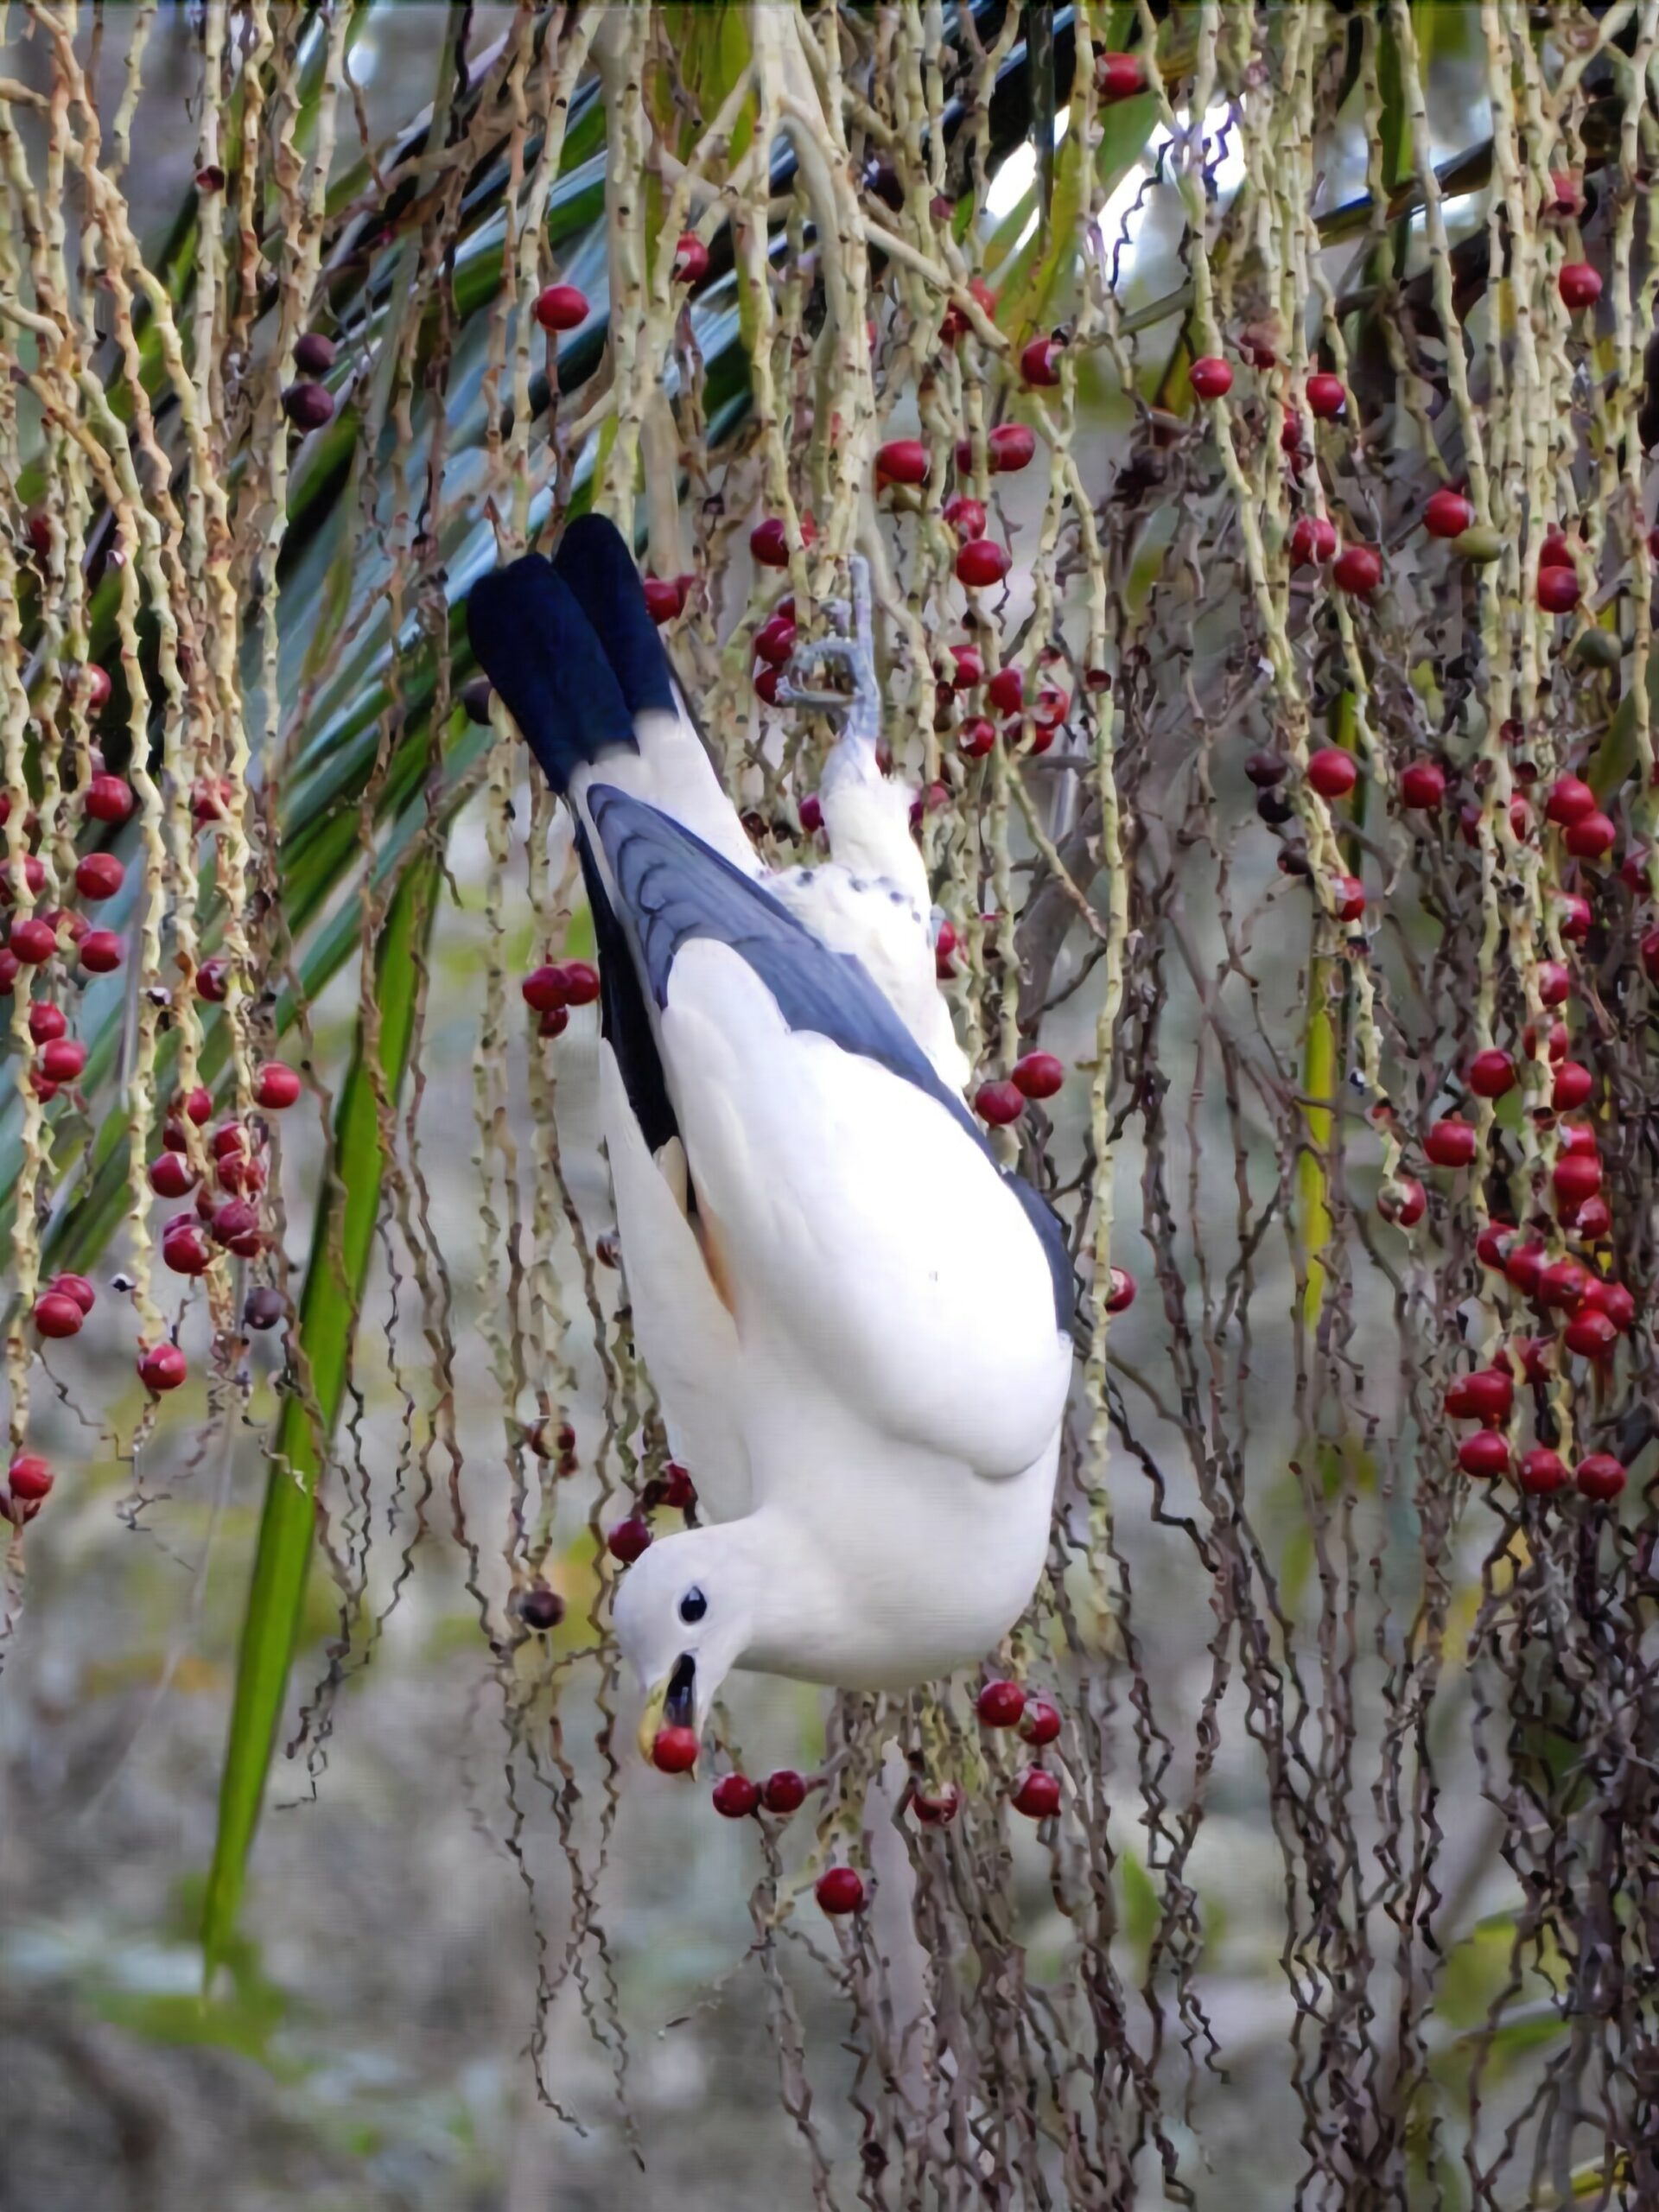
(595, 560)
(537, 646)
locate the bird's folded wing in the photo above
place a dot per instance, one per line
(688, 1337)
(863, 1221)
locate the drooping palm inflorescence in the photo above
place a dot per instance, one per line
(1244, 410)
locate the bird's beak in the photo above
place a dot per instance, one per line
(671, 1703)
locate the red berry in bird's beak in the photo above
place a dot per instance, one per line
(674, 1751)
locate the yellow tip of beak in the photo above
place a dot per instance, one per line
(650, 1719)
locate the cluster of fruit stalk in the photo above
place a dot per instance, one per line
(1431, 516)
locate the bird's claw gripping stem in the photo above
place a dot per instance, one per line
(860, 707)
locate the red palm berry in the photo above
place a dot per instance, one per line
(10, 965)
(980, 562)
(109, 798)
(162, 1369)
(1542, 1472)
(1488, 1394)
(629, 1540)
(783, 1792)
(1211, 377)
(1313, 540)
(1492, 1241)
(313, 354)
(1590, 1334)
(560, 307)
(1558, 590)
(1576, 1177)
(308, 406)
(1569, 801)
(1561, 1283)
(1573, 914)
(1589, 837)
(690, 259)
(664, 601)
(945, 952)
(1450, 1143)
(1039, 362)
(1485, 1453)
(33, 939)
(544, 989)
(46, 1022)
(840, 1890)
(29, 1477)
(581, 983)
(1118, 77)
(967, 667)
(936, 1808)
(1358, 569)
(1037, 1793)
(95, 684)
(1491, 1073)
(57, 1314)
(674, 1751)
(1331, 771)
(902, 460)
(1580, 284)
(1040, 1723)
(1571, 1087)
(977, 738)
(811, 813)
(1600, 1475)
(63, 1061)
(1594, 1218)
(999, 1103)
(766, 684)
(1447, 514)
(1633, 870)
(100, 952)
(1327, 397)
(774, 641)
(965, 515)
(100, 876)
(1617, 1302)
(1120, 1287)
(276, 1086)
(1422, 783)
(75, 1287)
(1554, 983)
(1403, 1203)
(34, 875)
(1040, 1075)
(171, 1175)
(1348, 895)
(1000, 1705)
(735, 1797)
(1010, 447)
(1577, 1136)
(1007, 690)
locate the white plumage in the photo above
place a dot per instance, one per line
(848, 1313)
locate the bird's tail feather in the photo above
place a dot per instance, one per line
(595, 560)
(535, 643)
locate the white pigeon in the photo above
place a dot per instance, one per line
(855, 1321)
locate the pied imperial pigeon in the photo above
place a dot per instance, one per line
(856, 1319)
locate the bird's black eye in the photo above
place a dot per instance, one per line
(693, 1605)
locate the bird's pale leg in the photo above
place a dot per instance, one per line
(853, 755)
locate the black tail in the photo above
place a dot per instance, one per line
(539, 648)
(597, 565)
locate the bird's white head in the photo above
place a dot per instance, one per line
(685, 1613)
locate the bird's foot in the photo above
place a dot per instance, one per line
(860, 706)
